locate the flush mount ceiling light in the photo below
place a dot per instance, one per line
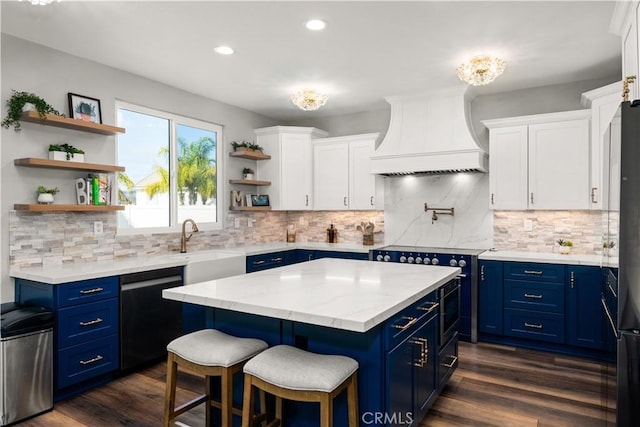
(42, 2)
(315, 25)
(309, 99)
(481, 70)
(223, 50)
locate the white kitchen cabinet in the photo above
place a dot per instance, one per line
(290, 169)
(624, 23)
(342, 174)
(540, 162)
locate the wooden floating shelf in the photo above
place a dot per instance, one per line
(66, 208)
(67, 123)
(249, 182)
(251, 208)
(61, 164)
(251, 155)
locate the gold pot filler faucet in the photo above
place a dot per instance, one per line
(184, 238)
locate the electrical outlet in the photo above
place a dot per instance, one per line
(301, 220)
(98, 229)
(250, 223)
(528, 225)
(237, 223)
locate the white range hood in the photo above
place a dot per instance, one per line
(429, 133)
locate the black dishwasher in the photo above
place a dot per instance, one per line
(148, 322)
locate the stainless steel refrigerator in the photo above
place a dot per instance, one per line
(628, 319)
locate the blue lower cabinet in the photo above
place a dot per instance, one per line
(86, 322)
(267, 261)
(490, 297)
(535, 325)
(586, 321)
(85, 361)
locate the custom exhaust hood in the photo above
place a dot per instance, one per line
(429, 133)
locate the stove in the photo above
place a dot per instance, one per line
(466, 259)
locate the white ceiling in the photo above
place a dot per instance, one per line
(369, 50)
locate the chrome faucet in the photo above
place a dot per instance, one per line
(184, 238)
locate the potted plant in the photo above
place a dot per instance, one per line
(65, 152)
(565, 246)
(246, 146)
(24, 101)
(247, 173)
(607, 247)
(45, 195)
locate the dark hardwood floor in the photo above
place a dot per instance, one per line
(493, 386)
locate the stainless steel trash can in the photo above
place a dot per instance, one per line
(26, 362)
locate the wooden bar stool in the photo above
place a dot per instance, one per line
(290, 373)
(210, 353)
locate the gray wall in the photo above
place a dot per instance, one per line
(51, 74)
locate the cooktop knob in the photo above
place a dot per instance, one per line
(418, 260)
(435, 261)
(426, 261)
(453, 263)
(387, 258)
(379, 257)
(410, 260)
(462, 263)
(403, 258)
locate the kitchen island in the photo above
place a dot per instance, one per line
(383, 315)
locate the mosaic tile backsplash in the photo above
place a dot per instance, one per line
(56, 238)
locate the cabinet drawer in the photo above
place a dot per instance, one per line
(539, 296)
(447, 362)
(88, 360)
(534, 271)
(75, 293)
(267, 261)
(534, 325)
(405, 323)
(82, 323)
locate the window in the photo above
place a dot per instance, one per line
(172, 170)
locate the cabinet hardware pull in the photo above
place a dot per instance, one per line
(411, 321)
(306, 203)
(429, 309)
(609, 317)
(534, 296)
(611, 290)
(94, 360)
(537, 272)
(450, 365)
(91, 291)
(92, 322)
(424, 352)
(593, 194)
(259, 262)
(492, 201)
(345, 200)
(371, 201)
(276, 259)
(573, 279)
(482, 273)
(532, 325)
(531, 198)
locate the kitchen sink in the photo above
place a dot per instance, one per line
(214, 264)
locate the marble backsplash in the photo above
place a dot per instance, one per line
(67, 237)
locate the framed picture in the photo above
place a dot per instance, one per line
(259, 200)
(84, 108)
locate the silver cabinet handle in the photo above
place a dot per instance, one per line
(482, 273)
(371, 201)
(91, 291)
(593, 195)
(345, 200)
(93, 360)
(306, 203)
(573, 279)
(411, 321)
(276, 259)
(92, 322)
(531, 198)
(259, 262)
(429, 309)
(454, 359)
(536, 272)
(532, 325)
(492, 200)
(534, 296)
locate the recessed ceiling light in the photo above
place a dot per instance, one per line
(315, 25)
(223, 50)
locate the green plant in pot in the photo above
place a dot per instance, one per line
(45, 195)
(16, 104)
(245, 146)
(565, 246)
(247, 173)
(69, 150)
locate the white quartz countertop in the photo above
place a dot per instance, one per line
(315, 246)
(549, 257)
(353, 295)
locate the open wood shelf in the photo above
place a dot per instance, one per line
(66, 208)
(67, 123)
(251, 208)
(251, 155)
(249, 182)
(61, 164)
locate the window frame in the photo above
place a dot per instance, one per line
(174, 120)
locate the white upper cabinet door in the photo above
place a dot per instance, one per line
(297, 175)
(364, 187)
(559, 165)
(508, 168)
(630, 60)
(331, 176)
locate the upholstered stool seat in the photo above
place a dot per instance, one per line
(211, 353)
(290, 373)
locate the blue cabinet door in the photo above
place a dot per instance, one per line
(585, 319)
(399, 378)
(491, 292)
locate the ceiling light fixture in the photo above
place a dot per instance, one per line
(223, 50)
(42, 2)
(315, 25)
(309, 99)
(481, 70)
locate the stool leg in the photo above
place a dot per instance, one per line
(227, 397)
(170, 392)
(247, 402)
(279, 410)
(352, 400)
(208, 391)
(326, 410)
(263, 406)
